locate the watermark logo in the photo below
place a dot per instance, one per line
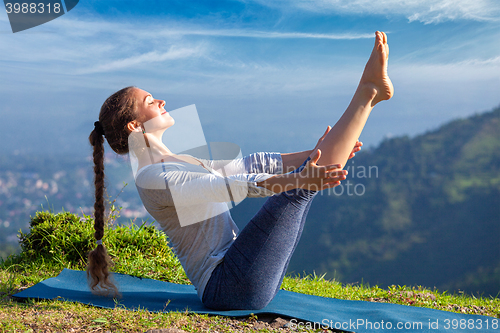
(350, 187)
(25, 14)
(203, 180)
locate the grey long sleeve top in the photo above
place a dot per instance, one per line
(191, 204)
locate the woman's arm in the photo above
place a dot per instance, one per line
(292, 161)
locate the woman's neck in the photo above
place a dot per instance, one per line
(151, 150)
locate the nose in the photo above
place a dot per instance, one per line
(162, 103)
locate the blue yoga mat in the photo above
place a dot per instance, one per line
(354, 316)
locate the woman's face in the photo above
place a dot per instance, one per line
(151, 112)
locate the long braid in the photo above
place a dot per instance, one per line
(99, 186)
(116, 112)
(98, 259)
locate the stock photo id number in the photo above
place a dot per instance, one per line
(24, 15)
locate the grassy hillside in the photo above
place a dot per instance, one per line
(58, 241)
(426, 212)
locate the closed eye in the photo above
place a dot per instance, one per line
(150, 98)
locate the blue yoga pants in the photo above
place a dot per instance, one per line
(254, 266)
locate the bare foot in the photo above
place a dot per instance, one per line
(375, 77)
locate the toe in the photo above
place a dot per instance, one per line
(379, 45)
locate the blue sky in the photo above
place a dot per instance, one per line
(267, 75)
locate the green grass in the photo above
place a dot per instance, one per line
(58, 241)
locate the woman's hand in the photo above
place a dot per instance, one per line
(357, 147)
(322, 137)
(317, 178)
(313, 177)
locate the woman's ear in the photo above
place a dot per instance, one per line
(133, 125)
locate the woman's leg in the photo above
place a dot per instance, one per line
(256, 263)
(297, 239)
(374, 86)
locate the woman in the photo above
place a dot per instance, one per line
(188, 196)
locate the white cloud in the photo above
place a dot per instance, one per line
(150, 57)
(444, 10)
(264, 34)
(469, 71)
(426, 11)
(492, 62)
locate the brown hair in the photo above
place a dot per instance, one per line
(116, 112)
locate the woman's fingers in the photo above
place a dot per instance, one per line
(324, 171)
(330, 184)
(326, 175)
(326, 132)
(322, 137)
(357, 147)
(336, 166)
(316, 156)
(338, 173)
